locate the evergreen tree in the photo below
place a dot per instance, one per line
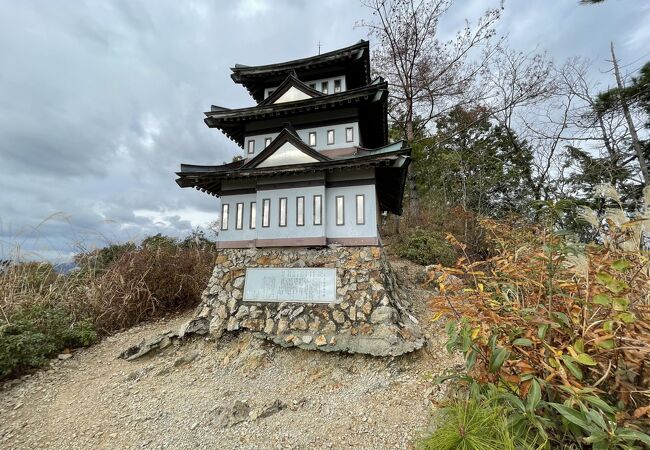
(625, 99)
(619, 166)
(475, 164)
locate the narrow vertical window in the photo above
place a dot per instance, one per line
(323, 87)
(361, 215)
(251, 147)
(300, 211)
(318, 209)
(239, 216)
(283, 211)
(337, 86)
(340, 210)
(312, 139)
(349, 134)
(224, 216)
(267, 141)
(253, 218)
(266, 212)
(330, 137)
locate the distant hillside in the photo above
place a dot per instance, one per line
(66, 267)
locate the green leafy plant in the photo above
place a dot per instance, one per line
(560, 330)
(37, 333)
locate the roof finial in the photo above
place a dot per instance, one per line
(319, 43)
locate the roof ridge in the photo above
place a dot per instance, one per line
(243, 67)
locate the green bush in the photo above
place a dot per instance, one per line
(159, 241)
(35, 334)
(425, 247)
(470, 424)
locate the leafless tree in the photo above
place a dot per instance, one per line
(427, 75)
(604, 132)
(517, 81)
(523, 92)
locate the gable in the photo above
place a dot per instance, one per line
(291, 90)
(287, 154)
(292, 95)
(286, 149)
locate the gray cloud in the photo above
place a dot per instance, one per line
(101, 101)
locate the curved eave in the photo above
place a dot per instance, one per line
(251, 76)
(203, 181)
(354, 51)
(230, 122)
(390, 169)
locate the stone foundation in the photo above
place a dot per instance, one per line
(371, 314)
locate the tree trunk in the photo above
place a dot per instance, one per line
(628, 117)
(414, 201)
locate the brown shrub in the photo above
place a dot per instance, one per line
(147, 283)
(140, 284)
(42, 312)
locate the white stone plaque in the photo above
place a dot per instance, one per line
(274, 284)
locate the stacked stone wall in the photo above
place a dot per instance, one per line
(371, 314)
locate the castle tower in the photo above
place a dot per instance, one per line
(300, 258)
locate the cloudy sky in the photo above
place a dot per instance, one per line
(100, 101)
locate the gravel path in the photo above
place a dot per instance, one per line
(236, 393)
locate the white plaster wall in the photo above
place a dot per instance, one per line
(274, 231)
(237, 235)
(330, 84)
(321, 137)
(292, 95)
(350, 227)
(328, 228)
(319, 83)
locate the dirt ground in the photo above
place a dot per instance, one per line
(235, 393)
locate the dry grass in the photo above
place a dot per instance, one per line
(140, 284)
(114, 288)
(43, 312)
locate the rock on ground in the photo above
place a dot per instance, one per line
(237, 392)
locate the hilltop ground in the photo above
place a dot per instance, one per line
(235, 393)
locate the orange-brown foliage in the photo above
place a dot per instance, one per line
(575, 317)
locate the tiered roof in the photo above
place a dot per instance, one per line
(372, 99)
(294, 104)
(353, 61)
(391, 164)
